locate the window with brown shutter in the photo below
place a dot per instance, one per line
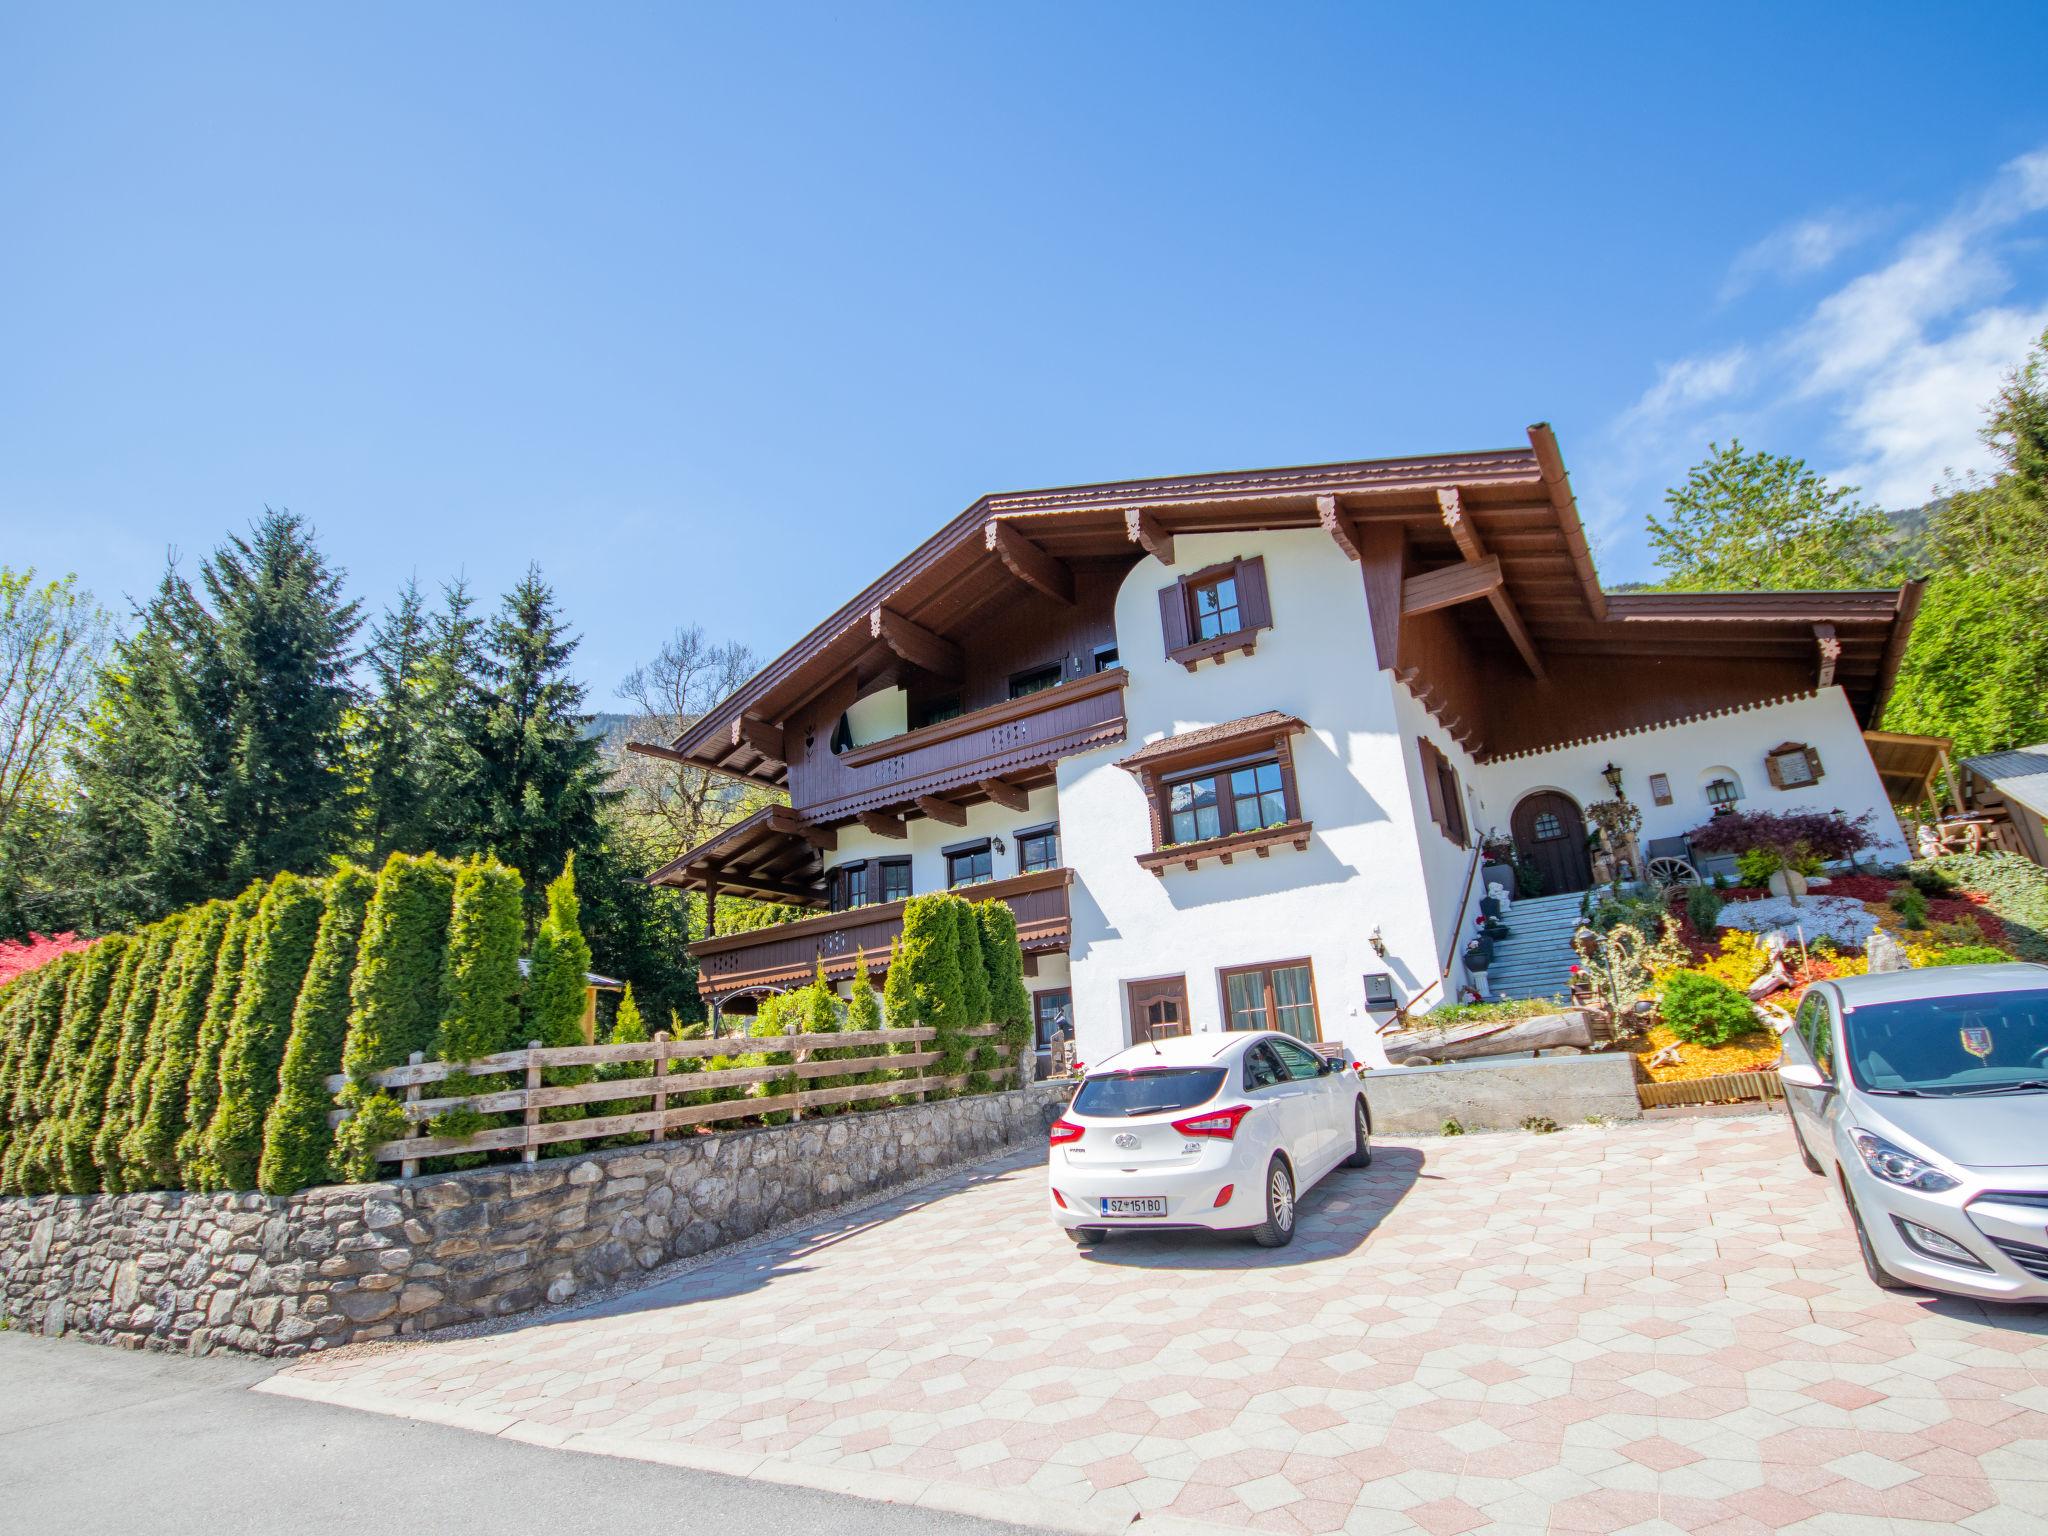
(1214, 612)
(1446, 796)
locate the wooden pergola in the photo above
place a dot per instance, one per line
(1912, 767)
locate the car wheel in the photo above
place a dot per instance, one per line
(1799, 1140)
(1880, 1277)
(1361, 1137)
(1277, 1230)
(1087, 1237)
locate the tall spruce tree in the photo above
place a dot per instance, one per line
(280, 949)
(539, 780)
(285, 634)
(396, 730)
(296, 1137)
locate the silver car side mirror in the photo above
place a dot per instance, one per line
(1797, 1074)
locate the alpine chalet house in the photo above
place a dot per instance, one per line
(1227, 743)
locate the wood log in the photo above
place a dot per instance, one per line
(1472, 1041)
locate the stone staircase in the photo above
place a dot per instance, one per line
(1537, 961)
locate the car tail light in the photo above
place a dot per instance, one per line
(1223, 1195)
(1064, 1131)
(1220, 1123)
(1061, 1199)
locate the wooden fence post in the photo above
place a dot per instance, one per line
(660, 1083)
(410, 1167)
(795, 1057)
(529, 1151)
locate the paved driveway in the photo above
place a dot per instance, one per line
(1647, 1328)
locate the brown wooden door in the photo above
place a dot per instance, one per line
(1551, 834)
(1159, 1008)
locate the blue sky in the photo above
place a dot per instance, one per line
(715, 313)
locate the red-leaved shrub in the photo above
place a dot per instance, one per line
(20, 956)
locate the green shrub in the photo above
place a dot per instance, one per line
(1703, 909)
(274, 967)
(2013, 887)
(1451, 1128)
(115, 1113)
(556, 992)
(481, 1012)
(1705, 1010)
(1931, 880)
(67, 1017)
(1009, 1003)
(89, 1077)
(982, 1054)
(202, 1090)
(1911, 906)
(296, 1138)
(1448, 1015)
(628, 1028)
(1540, 1125)
(153, 1145)
(1969, 954)
(925, 988)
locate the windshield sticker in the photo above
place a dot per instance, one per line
(1977, 1041)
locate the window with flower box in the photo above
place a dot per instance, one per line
(1221, 790)
(1211, 613)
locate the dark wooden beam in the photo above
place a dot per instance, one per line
(882, 824)
(1383, 557)
(1337, 526)
(1008, 796)
(1030, 564)
(917, 645)
(1550, 464)
(1903, 614)
(939, 808)
(1452, 585)
(786, 821)
(666, 754)
(1452, 506)
(1145, 530)
(1830, 653)
(764, 738)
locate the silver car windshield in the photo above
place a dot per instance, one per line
(1987, 1041)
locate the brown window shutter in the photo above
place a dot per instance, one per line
(1454, 802)
(1777, 776)
(1813, 763)
(1173, 616)
(1432, 783)
(1254, 607)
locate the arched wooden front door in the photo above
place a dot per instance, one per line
(1551, 834)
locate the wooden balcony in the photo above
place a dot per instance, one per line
(786, 955)
(1011, 740)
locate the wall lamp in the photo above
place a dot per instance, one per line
(1612, 775)
(1378, 942)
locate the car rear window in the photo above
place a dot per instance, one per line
(1149, 1091)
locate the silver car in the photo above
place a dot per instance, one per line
(1924, 1095)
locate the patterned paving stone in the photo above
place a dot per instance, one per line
(1652, 1329)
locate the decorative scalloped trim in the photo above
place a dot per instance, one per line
(1659, 725)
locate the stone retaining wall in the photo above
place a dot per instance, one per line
(340, 1265)
(1500, 1095)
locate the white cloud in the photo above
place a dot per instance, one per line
(1798, 250)
(1888, 374)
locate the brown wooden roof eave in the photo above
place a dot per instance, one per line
(1365, 478)
(1265, 726)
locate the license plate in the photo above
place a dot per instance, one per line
(1134, 1205)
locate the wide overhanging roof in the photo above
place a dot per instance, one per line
(1516, 501)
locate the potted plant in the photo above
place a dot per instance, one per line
(1498, 868)
(1617, 822)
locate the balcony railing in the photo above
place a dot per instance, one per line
(1038, 729)
(786, 955)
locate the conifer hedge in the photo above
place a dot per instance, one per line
(296, 1138)
(202, 1088)
(557, 988)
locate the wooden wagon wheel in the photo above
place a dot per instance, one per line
(1673, 872)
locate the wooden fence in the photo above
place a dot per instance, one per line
(1727, 1088)
(660, 1084)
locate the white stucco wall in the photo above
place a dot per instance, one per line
(1445, 866)
(1361, 869)
(1695, 753)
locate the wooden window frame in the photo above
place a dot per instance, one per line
(1105, 657)
(1445, 793)
(1132, 1032)
(1056, 669)
(967, 850)
(1044, 829)
(1660, 788)
(1220, 758)
(1226, 802)
(1267, 968)
(1254, 612)
(876, 873)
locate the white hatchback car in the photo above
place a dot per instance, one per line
(1210, 1132)
(1924, 1095)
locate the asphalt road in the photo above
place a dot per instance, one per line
(94, 1439)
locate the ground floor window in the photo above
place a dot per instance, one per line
(1281, 997)
(1051, 1011)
